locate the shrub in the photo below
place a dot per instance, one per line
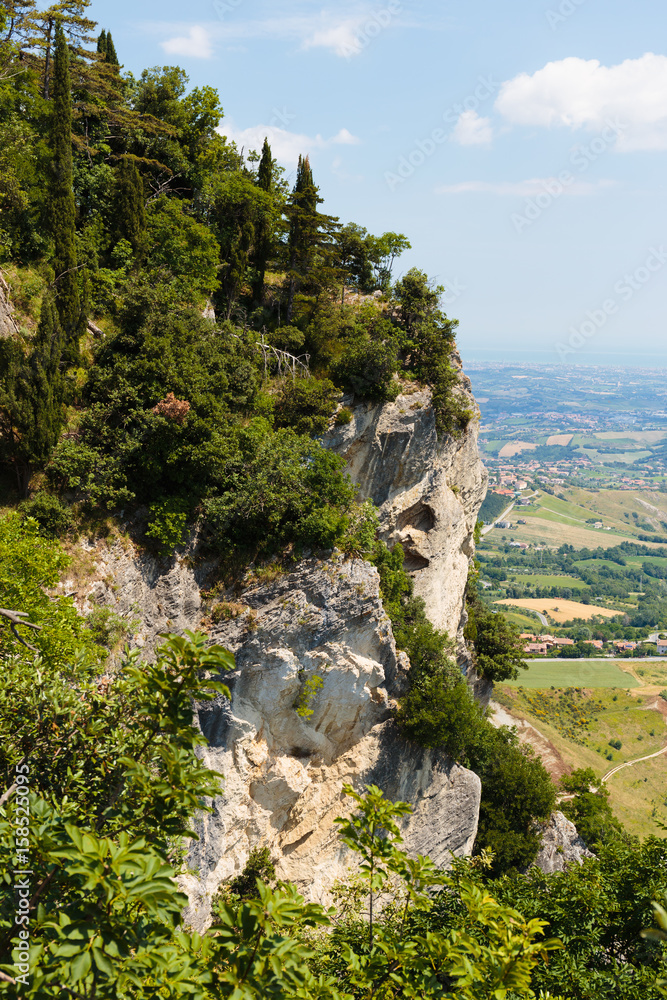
(306, 405)
(52, 515)
(309, 688)
(168, 522)
(344, 416)
(367, 368)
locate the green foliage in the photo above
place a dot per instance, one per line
(61, 200)
(344, 416)
(129, 212)
(496, 641)
(31, 565)
(367, 368)
(307, 694)
(306, 405)
(589, 810)
(439, 712)
(183, 247)
(283, 487)
(51, 514)
(107, 627)
(260, 865)
(168, 522)
(32, 391)
(427, 341)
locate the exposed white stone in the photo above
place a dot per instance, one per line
(561, 845)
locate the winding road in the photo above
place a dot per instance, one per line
(629, 763)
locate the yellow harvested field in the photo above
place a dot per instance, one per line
(563, 439)
(515, 448)
(552, 533)
(559, 609)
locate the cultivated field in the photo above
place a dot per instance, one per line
(563, 439)
(515, 448)
(560, 609)
(543, 674)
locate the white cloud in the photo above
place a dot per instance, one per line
(286, 146)
(343, 39)
(583, 94)
(197, 44)
(471, 130)
(524, 189)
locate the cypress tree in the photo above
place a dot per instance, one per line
(102, 43)
(112, 58)
(62, 207)
(32, 411)
(310, 231)
(263, 239)
(130, 213)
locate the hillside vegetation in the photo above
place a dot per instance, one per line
(187, 324)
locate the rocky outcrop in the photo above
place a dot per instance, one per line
(428, 490)
(285, 769)
(8, 325)
(561, 846)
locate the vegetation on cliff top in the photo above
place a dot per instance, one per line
(123, 208)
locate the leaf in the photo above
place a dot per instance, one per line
(80, 967)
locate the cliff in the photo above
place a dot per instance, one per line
(318, 640)
(284, 771)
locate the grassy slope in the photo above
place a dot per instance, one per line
(638, 794)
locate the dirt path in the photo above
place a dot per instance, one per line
(629, 763)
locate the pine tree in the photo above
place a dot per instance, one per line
(62, 207)
(263, 233)
(309, 234)
(32, 411)
(130, 213)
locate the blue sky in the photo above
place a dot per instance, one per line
(522, 147)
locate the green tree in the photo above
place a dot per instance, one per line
(62, 208)
(32, 412)
(589, 809)
(310, 233)
(263, 230)
(129, 220)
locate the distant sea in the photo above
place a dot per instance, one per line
(608, 359)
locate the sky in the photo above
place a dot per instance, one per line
(521, 147)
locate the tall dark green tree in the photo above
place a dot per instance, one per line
(32, 390)
(102, 43)
(112, 58)
(263, 234)
(62, 207)
(130, 212)
(309, 232)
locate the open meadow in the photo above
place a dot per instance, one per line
(559, 609)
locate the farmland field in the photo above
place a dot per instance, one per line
(577, 674)
(560, 609)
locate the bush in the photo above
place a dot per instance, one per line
(367, 368)
(306, 405)
(52, 515)
(168, 522)
(344, 416)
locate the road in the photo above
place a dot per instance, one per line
(501, 517)
(629, 763)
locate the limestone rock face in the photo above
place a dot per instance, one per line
(561, 846)
(284, 771)
(428, 490)
(8, 326)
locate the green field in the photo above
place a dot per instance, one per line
(539, 580)
(576, 673)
